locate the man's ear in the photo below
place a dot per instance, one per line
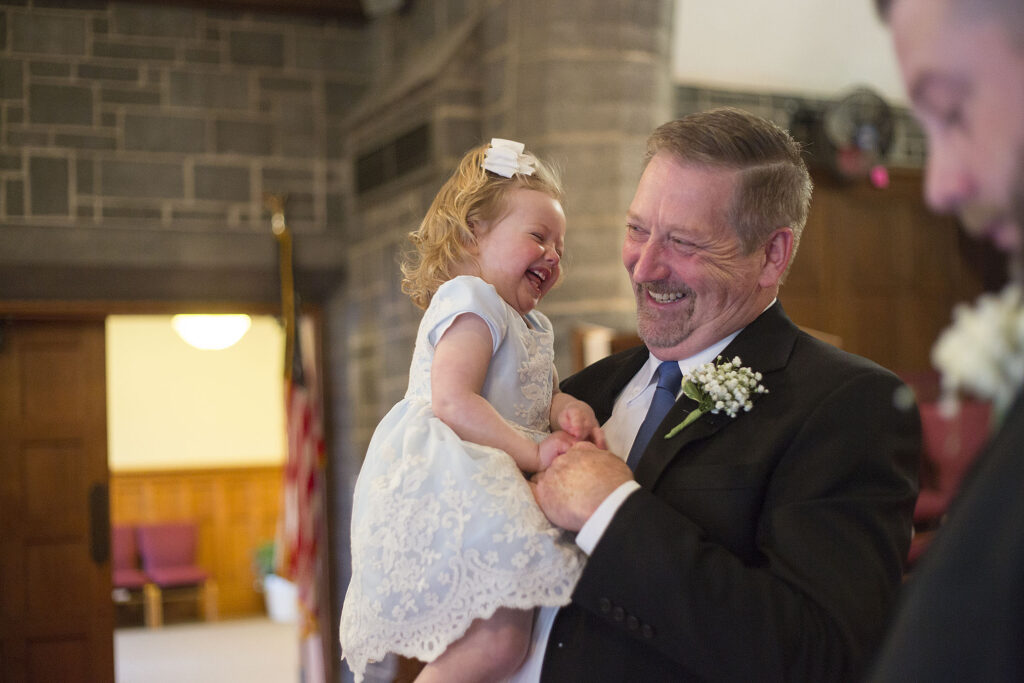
(778, 251)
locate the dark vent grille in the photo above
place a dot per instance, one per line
(393, 159)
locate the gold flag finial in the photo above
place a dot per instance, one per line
(275, 204)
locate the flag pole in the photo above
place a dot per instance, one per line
(275, 203)
(301, 520)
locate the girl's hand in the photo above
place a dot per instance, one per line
(577, 418)
(552, 446)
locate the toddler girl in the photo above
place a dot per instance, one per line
(450, 552)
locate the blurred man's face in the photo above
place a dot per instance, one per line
(965, 78)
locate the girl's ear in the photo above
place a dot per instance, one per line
(473, 245)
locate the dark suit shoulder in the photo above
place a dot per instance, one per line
(603, 371)
(834, 362)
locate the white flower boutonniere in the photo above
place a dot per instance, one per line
(982, 353)
(717, 387)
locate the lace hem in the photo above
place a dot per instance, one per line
(366, 637)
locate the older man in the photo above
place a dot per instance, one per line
(963, 64)
(763, 546)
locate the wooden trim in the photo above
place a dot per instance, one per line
(154, 473)
(48, 310)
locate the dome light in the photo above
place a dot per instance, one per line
(211, 332)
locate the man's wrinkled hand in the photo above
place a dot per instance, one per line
(576, 483)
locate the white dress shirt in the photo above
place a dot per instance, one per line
(620, 430)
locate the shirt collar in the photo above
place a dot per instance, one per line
(645, 376)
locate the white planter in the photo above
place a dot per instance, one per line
(282, 598)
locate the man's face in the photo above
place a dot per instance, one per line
(692, 281)
(965, 79)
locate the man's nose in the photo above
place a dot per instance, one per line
(650, 263)
(947, 181)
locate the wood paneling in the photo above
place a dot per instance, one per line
(235, 508)
(879, 270)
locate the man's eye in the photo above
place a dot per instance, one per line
(951, 117)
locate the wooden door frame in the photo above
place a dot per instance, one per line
(94, 309)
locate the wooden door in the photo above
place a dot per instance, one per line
(56, 613)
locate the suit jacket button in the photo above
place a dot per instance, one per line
(605, 605)
(647, 632)
(618, 614)
(632, 623)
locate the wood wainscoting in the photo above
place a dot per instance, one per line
(235, 509)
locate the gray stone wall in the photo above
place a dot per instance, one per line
(141, 134)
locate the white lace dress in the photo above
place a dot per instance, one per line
(445, 531)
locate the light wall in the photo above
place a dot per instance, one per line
(170, 405)
(803, 47)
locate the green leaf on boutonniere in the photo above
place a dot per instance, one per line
(717, 387)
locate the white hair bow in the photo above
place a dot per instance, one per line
(506, 158)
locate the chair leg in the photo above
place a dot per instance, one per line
(154, 607)
(211, 597)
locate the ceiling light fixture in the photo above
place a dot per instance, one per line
(211, 332)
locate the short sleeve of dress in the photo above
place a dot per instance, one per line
(467, 294)
(538, 321)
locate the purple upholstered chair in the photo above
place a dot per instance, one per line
(131, 585)
(168, 552)
(125, 559)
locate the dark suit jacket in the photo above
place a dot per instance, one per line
(760, 548)
(962, 618)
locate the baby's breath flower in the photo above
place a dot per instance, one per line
(721, 386)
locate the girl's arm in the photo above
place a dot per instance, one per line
(461, 359)
(574, 416)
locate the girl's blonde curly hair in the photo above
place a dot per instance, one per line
(469, 196)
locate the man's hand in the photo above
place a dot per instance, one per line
(576, 483)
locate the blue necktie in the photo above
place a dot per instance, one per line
(669, 379)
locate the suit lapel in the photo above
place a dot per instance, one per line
(764, 345)
(601, 396)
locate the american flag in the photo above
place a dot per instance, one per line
(301, 513)
(299, 529)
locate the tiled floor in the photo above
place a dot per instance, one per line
(249, 650)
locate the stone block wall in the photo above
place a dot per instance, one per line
(140, 133)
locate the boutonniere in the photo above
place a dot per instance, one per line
(719, 387)
(982, 352)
